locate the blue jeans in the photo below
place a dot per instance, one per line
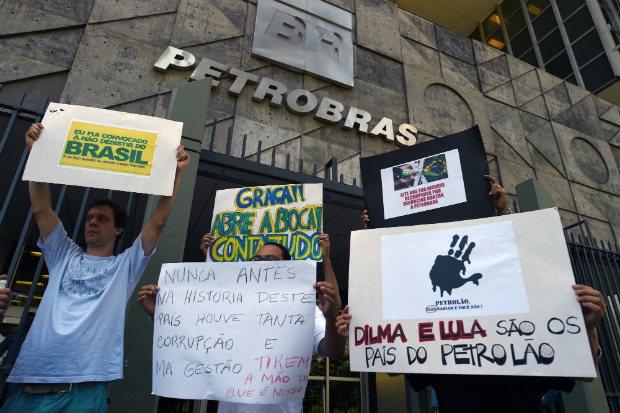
(87, 399)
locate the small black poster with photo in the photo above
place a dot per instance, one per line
(437, 181)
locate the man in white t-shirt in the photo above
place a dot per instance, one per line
(75, 345)
(327, 342)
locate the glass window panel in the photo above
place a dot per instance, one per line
(597, 74)
(544, 23)
(530, 57)
(560, 66)
(551, 45)
(476, 35)
(491, 25)
(572, 79)
(521, 42)
(587, 48)
(568, 7)
(509, 7)
(515, 24)
(497, 41)
(536, 7)
(578, 24)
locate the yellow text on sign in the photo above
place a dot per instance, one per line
(109, 148)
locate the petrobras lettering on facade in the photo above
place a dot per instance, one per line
(298, 101)
(306, 36)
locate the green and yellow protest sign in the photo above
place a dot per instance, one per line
(102, 148)
(109, 148)
(244, 219)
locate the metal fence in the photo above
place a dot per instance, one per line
(597, 264)
(594, 263)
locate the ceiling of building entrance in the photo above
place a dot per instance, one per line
(462, 16)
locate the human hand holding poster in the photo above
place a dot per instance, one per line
(436, 181)
(239, 332)
(246, 218)
(489, 296)
(105, 149)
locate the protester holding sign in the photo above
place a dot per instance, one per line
(467, 393)
(486, 393)
(75, 345)
(327, 341)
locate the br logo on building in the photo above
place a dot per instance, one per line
(312, 37)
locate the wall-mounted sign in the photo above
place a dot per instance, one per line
(309, 36)
(298, 101)
(105, 149)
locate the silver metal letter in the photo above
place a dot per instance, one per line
(408, 137)
(357, 117)
(292, 100)
(329, 111)
(241, 78)
(326, 42)
(384, 128)
(287, 27)
(176, 58)
(272, 88)
(206, 68)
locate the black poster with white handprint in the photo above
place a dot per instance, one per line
(437, 181)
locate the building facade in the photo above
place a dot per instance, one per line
(402, 68)
(578, 41)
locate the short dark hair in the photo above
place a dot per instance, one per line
(285, 254)
(120, 214)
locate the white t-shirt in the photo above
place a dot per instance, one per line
(77, 334)
(295, 406)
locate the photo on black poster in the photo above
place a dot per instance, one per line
(436, 181)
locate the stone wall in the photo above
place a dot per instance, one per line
(101, 53)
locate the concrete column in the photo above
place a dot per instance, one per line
(188, 104)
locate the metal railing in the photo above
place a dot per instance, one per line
(597, 264)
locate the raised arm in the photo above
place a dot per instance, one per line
(499, 196)
(40, 196)
(152, 230)
(206, 242)
(365, 219)
(147, 298)
(329, 298)
(343, 321)
(593, 307)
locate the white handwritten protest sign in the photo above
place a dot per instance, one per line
(240, 332)
(105, 149)
(489, 296)
(246, 218)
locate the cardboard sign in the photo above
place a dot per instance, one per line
(239, 332)
(489, 296)
(105, 149)
(246, 218)
(436, 181)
